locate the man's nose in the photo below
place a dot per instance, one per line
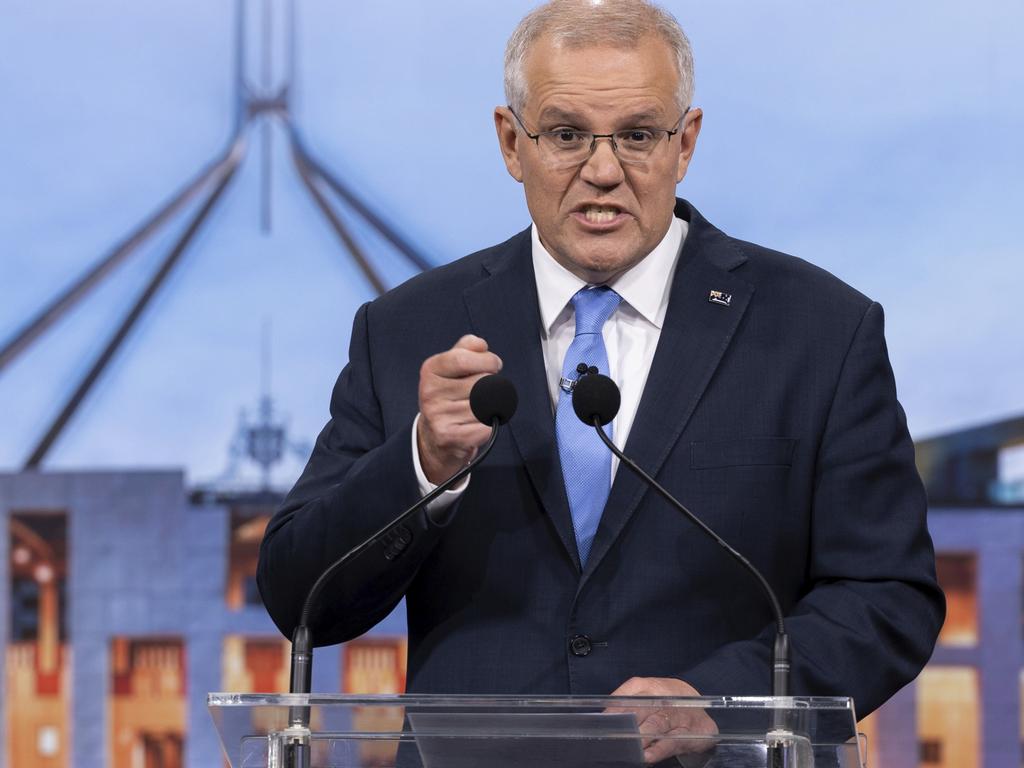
(602, 168)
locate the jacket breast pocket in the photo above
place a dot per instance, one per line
(744, 452)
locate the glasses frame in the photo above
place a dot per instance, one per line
(595, 136)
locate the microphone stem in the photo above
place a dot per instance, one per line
(780, 650)
(302, 637)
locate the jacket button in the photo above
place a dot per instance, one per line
(580, 645)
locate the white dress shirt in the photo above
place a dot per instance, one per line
(630, 335)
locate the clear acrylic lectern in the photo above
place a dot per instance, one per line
(540, 732)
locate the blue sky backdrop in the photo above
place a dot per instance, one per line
(879, 140)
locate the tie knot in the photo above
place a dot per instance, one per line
(593, 307)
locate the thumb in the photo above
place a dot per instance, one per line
(472, 343)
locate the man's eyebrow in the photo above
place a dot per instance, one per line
(561, 116)
(558, 115)
(651, 117)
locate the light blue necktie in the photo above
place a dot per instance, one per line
(586, 462)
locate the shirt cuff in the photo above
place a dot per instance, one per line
(447, 498)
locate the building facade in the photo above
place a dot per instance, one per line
(127, 599)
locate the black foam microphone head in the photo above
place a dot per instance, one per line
(493, 397)
(595, 396)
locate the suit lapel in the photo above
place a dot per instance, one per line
(693, 341)
(503, 309)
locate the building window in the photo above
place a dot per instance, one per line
(958, 577)
(256, 664)
(948, 717)
(930, 752)
(375, 665)
(37, 691)
(243, 553)
(146, 704)
(1009, 485)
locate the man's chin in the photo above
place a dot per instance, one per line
(604, 259)
(601, 270)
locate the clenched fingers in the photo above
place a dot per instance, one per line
(448, 433)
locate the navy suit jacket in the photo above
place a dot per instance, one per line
(773, 418)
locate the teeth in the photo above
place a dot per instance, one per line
(600, 215)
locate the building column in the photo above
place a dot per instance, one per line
(896, 732)
(202, 744)
(90, 676)
(999, 605)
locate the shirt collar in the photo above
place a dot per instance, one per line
(644, 287)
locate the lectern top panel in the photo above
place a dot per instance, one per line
(421, 731)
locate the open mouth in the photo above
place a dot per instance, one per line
(599, 214)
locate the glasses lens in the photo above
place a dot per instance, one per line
(565, 148)
(568, 148)
(636, 145)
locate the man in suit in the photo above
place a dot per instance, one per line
(756, 388)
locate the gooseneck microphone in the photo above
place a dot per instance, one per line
(596, 399)
(493, 400)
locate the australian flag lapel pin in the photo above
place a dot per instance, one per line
(720, 297)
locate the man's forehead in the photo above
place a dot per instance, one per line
(576, 82)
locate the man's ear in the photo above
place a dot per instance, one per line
(508, 141)
(688, 140)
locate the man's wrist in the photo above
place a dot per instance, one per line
(425, 484)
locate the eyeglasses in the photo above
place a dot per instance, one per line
(567, 147)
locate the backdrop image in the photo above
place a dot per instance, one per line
(197, 197)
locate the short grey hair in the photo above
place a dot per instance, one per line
(580, 23)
